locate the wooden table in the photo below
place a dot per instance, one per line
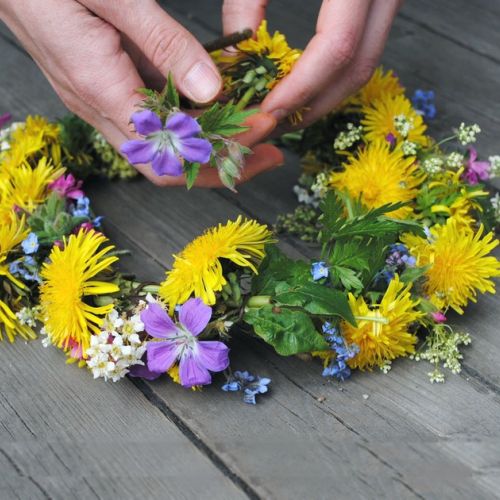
(375, 436)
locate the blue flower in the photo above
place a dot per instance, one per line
(97, 221)
(82, 207)
(343, 352)
(319, 270)
(248, 383)
(423, 102)
(30, 244)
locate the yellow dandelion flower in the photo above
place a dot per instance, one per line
(38, 125)
(460, 263)
(383, 331)
(12, 233)
(68, 286)
(273, 47)
(378, 176)
(198, 269)
(26, 187)
(381, 84)
(379, 120)
(20, 150)
(10, 325)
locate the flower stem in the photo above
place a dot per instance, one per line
(259, 301)
(228, 40)
(247, 97)
(446, 139)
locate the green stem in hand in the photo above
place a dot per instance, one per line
(247, 97)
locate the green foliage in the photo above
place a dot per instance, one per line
(224, 119)
(355, 239)
(191, 171)
(51, 222)
(288, 331)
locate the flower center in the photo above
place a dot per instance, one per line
(164, 139)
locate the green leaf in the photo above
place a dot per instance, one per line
(170, 94)
(348, 278)
(191, 170)
(412, 274)
(316, 299)
(289, 332)
(224, 119)
(277, 267)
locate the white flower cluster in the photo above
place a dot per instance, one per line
(347, 138)
(5, 135)
(28, 315)
(403, 125)
(117, 347)
(495, 201)
(455, 160)
(320, 185)
(432, 165)
(467, 133)
(494, 166)
(304, 196)
(409, 148)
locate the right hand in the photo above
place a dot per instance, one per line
(79, 46)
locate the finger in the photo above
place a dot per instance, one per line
(168, 45)
(338, 32)
(240, 14)
(354, 77)
(260, 126)
(265, 157)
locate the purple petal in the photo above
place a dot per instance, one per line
(192, 373)
(157, 322)
(195, 315)
(196, 150)
(161, 355)
(4, 119)
(138, 151)
(141, 371)
(472, 154)
(146, 122)
(166, 163)
(213, 355)
(183, 125)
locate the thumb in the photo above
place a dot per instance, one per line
(240, 14)
(168, 45)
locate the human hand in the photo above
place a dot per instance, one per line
(79, 46)
(338, 60)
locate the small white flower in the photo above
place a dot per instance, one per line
(494, 166)
(455, 160)
(346, 139)
(409, 148)
(467, 133)
(403, 125)
(432, 165)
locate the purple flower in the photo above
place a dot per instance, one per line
(476, 170)
(165, 146)
(67, 187)
(197, 358)
(4, 119)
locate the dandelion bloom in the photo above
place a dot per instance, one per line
(198, 269)
(460, 264)
(383, 331)
(179, 343)
(69, 282)
(380, 119)
(392, 177)
(165, 145)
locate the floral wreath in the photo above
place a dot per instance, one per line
(397, 253)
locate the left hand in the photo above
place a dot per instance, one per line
(338, 60)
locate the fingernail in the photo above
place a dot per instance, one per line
(202, 83)
(279, 114)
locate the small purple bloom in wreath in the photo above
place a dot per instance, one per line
(67, 187)
(476, 170)
(164, 146)
(4, 119)
(179, 342)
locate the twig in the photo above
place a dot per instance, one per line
(228, 40)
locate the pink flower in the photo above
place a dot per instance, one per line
(67, 186)
(438, 317)
(476, 170)
(76, 349)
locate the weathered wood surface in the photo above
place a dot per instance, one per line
(376, 436)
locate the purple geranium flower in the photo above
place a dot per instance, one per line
(197, 358)
(164, 146)
(476, 170)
